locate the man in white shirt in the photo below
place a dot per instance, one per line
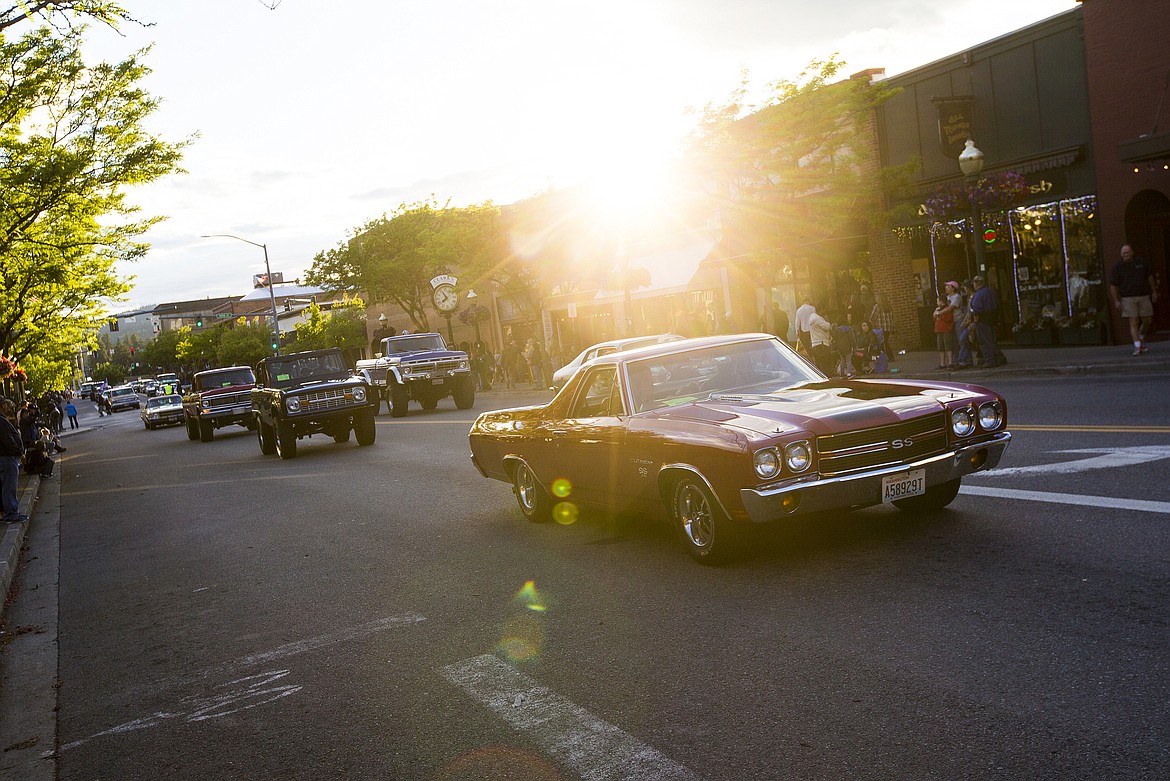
(805, 311)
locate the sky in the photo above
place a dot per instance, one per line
(309, 119)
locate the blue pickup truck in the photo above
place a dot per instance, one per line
(419, 367)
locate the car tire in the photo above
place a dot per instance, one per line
(535, 503)
(398, 400)
(464, 394)
(365, 430)
(341, 437)
(206, 431)
(709, 536)
(192, 430)
(286, 441)
(935, 498)
(428, 403)
(266, 437)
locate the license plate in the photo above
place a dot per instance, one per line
(907, 484)
(436, 382)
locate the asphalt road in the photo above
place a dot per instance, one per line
(385, 613)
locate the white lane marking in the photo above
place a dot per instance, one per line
(595, 749)
(1108, 458)
(247, 692)
(1107, 502)
(212, 707)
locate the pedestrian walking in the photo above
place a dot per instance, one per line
(1133, 290)
(11, 451)
(71, 412)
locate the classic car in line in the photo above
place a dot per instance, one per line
(724, 432)
(162, 411)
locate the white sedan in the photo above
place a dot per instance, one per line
(562, 375)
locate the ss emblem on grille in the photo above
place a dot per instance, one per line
(900, 443)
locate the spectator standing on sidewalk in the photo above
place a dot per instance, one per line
(71, 412)
(984, 315)
(944, 333)
(11, 449)
(1132, 288)
(803, 312)
(882, 317)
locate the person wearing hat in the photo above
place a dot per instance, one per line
(958, 310)
(984, 314)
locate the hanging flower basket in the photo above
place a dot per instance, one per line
(995, 191)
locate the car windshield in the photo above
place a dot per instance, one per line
(226, 379)
(122, 392)
(297, 369)
(412, 344)
(749, 367)
(164, 401)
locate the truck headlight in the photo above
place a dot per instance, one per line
(463, 365)
(359, 395)
(292, 404)
(963, 421)
(798, 456)
(767, 463)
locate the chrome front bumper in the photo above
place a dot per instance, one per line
(864, 489)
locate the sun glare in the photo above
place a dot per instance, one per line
(627, 190)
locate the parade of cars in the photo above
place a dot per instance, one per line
(162, 411)
(720, 434)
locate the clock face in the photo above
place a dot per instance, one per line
(446, 299)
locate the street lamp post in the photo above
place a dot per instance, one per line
(271, 293)
(473, 308)
(971, 164)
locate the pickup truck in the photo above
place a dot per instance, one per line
(419, 367)
(218, 398)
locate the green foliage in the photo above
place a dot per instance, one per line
(109, 372)
(63, 14)
(72, 141)
(159, 354)
(196, 350)
(244, 343)
(343, 326)
(392, 259)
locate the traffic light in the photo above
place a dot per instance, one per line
(198, 322)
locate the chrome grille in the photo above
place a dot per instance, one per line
(428, 367)
(229, 401)
(326, 399)
(871, 448)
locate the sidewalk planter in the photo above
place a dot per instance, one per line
(1030, 338)
(1081, 336)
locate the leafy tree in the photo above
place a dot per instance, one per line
(392, 259)
(159, 354)
(72, 141)
(197, 350)
(111, 373)
(802, 169)
(343, 326)
(244, 343)
(63, 14)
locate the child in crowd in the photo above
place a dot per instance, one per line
(944, 332)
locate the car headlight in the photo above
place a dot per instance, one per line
(292, 404)
(464, 365)
(990, 416)
(767, 463)
(359, 395)
(206, 403)
(798, 456)
(963, 421)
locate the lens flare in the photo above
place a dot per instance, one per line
(561, 488)
(529, 597)
(565, 513)
(522, 638)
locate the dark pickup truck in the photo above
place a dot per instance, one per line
(218, 398)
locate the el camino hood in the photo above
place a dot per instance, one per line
(427, 355)
(228, 389)
(823, 407)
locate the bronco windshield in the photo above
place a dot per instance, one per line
(297, 369)
(747, 368)
(225, 379)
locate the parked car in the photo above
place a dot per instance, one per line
(721, 433)
(162, 411)
(562, 375)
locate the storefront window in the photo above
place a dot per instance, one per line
(1040, 270)
(1085, 266)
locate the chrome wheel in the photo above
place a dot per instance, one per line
(534, 502)
(709, 536)
(694, 515)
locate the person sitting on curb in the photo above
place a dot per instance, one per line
(37, 461)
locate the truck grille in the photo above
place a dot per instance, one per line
(872, 448)
(323, 400)
(428, 367)
(229, 401)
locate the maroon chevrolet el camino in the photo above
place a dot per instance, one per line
(723, 432)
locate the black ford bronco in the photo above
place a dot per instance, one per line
(310, 393)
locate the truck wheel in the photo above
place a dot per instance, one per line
(429, 403)
(267, 439)
(464, 394)
(398, 400)
(206, 431)
(365, 430)
(286, 441)
(341, 437)
(192, 430)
